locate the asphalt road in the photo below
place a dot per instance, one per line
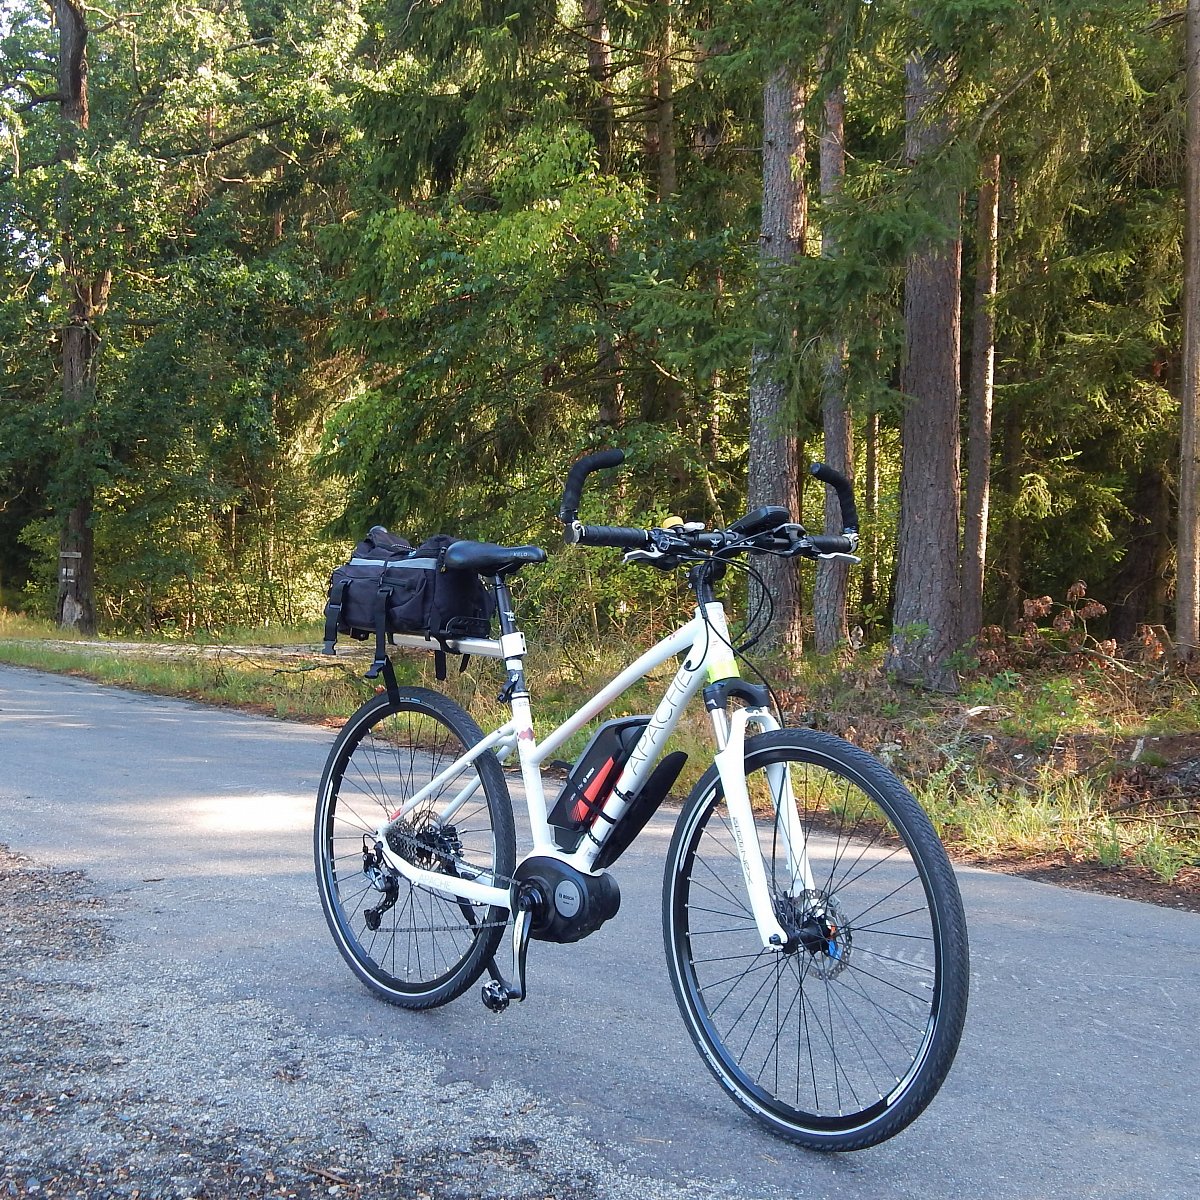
(1078, 1076)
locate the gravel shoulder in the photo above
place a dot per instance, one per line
(106, 1059)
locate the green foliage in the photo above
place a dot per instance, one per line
(373, 262)
(212, 371)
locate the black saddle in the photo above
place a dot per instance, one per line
(486, 559)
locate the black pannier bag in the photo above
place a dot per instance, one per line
(388, 587)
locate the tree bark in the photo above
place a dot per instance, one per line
(773, 469)
(1012, 459)
(870, 501)
(87, 298)
(829, 592)
(1137, 588)
(611, 393)
(600, 68)
(925, 627)
(668, 183)
(663, 399)
(1187, 588)
(660, 109)
(979, 403)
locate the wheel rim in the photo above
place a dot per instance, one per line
(828, 1035)
(423, 939)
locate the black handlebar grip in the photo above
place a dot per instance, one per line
(613, 535)
(829, 543)
(578, 473)
(845, 493)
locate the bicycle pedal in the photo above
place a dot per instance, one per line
(495, 996)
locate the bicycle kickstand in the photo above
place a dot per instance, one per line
(498, 991)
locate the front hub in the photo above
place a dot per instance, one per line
(816, 924)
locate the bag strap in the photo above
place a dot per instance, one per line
(382, 665)
(389, 679)
(381, 637)
(439, 656)
(333, 614)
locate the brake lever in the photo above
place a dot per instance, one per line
(648, 556)
(664, 560)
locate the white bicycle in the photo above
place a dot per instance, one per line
(814, 930)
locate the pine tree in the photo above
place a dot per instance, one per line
(1187, 592)
(774, 467)
(926, 614)
(829, 592)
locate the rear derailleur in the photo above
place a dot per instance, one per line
(383, 879)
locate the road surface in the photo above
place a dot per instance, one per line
(212, 1012)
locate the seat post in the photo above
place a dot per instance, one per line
(508, 619)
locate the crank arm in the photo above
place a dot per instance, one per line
(499, 991)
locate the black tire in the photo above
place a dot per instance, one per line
(426, 948)
(843, 1039)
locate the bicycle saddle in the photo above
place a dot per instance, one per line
(486, 559)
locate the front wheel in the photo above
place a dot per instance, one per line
(841, 1038)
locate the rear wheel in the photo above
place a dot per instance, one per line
(842, 1038)
(409, 945)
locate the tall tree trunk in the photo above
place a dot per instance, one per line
(600, 68)
(663, 399)
(926, 619)
(667, 181)
(1012, 454)
(829, 592)
(979, 403)
(87, 297)
(660, 109)
(870, 502)
(1187, 589)
(611, 402)
(1139, 582)
(773, 471)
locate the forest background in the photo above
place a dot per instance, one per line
(274, 271)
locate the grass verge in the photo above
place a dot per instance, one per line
(1020, 766)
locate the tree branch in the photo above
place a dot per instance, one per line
(1165, 20)
(53, 98)
(223, 144)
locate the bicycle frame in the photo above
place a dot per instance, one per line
(705, 643)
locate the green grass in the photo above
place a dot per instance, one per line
(298, 690)
(977, 808)
(318, 688)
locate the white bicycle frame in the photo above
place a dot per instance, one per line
(705, 642)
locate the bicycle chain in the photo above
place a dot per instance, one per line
(412, 847)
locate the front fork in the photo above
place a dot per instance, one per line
(731, 766)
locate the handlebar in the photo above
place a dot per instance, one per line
(578, 474)
(766, 530)
(831, 543)
(622, 536)
(845, 494)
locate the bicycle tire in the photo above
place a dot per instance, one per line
(844, 1039)
(426, 948)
